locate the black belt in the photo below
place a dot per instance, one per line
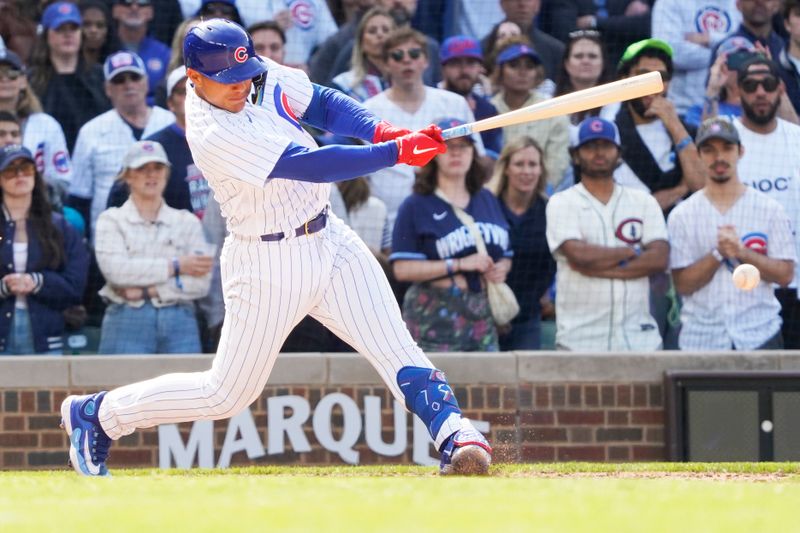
(312, 226)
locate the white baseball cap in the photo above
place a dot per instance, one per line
(174, 78)
(142, 152)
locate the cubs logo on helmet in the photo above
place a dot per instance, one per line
(240, 54)
(756, 241)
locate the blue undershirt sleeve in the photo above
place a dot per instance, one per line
(333, 163)
(336, 112)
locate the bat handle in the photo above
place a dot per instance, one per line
(458, 131)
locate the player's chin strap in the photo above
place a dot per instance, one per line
(258, 88)
(428, 395)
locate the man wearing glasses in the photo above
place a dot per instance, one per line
(103, 141)
(771, 162)
(409, 103)
(133, 20)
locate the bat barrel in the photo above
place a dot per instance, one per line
(574, 102)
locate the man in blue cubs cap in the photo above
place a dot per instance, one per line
(244, 117)
(607, 240)
(462, 64)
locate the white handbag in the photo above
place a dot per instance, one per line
(502, 300)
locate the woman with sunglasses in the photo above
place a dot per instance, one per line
(446, 308)
(71, 90)
(584, 65)
(43, 261)
(366, 78)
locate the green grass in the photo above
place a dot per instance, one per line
(669, 497)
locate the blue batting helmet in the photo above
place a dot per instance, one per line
(222, 51)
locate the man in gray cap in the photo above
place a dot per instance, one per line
(719, 227)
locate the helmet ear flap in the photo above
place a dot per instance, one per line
(258, 88)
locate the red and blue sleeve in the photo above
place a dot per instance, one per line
(334, 111)
(336, 162)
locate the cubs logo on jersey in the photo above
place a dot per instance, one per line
(283, 108)
(630, 230)
(712, 19)
(756, 241)
(302, 14)
(61, 162)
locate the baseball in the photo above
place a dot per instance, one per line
(746, 277)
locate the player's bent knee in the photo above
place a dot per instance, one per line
(428, 395)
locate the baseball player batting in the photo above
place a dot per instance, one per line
(286, 256)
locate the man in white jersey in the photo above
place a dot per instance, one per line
(771, 164)
(720, 226)
(606, 240)
(411, 104)
(103, 141)
(286, 257)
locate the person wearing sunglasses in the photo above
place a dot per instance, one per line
(43, 260)
(103, 141)
(133, 19)
(620, 22)
(70, 89)
(411, 104)
(770, 161)
(225, 9)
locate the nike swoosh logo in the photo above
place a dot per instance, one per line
(439, 216)
(417, 151)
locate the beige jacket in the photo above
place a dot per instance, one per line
(133, 252)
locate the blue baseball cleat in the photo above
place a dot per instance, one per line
(88, 443)
(466, 453)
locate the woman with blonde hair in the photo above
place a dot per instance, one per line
(365, 78)
(519, 181)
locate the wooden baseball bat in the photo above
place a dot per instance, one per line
(616, 91)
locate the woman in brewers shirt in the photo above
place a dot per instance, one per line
(518, 182)
(446, 308)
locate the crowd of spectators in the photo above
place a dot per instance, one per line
(618, 225)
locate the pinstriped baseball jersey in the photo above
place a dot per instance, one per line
(237, 151)
(718, 314)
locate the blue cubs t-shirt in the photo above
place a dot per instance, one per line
(427, 229)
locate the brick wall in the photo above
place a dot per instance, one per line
(539, 422)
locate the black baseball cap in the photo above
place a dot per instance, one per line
(717, 128)
(7, 57)
(11, 153)
(770, 67)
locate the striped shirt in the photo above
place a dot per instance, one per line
(237, 151)
(719, 315)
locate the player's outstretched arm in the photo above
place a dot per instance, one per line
(343, 162)
(334, 111)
